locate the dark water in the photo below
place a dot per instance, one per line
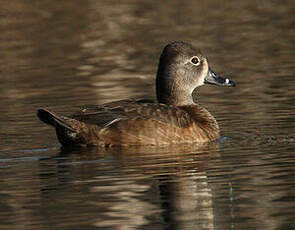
(66, 54)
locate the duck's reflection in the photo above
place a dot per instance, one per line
(147, 186)
(187, 202)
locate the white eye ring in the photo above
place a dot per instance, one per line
(195, 61)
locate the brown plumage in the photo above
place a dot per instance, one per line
(174, 119)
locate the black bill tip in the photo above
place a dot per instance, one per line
(213, 78)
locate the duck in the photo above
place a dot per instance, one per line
(174, 118)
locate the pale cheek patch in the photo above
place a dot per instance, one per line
(180, 72)
(226, 80)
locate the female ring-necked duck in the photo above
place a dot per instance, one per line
(175, 118)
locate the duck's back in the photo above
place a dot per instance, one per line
(134, 122)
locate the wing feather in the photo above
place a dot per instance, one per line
(106, 114)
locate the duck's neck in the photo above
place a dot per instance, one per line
(173, 92)
(175, 98)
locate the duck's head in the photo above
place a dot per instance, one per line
(181, 69)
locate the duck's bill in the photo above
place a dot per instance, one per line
(213, 78)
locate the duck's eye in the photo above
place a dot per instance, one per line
(195, 61)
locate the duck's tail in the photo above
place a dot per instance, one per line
(52, 119)
(68, 130)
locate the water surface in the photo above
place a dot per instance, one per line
(67, 55)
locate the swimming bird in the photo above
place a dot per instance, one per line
(174, 118)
